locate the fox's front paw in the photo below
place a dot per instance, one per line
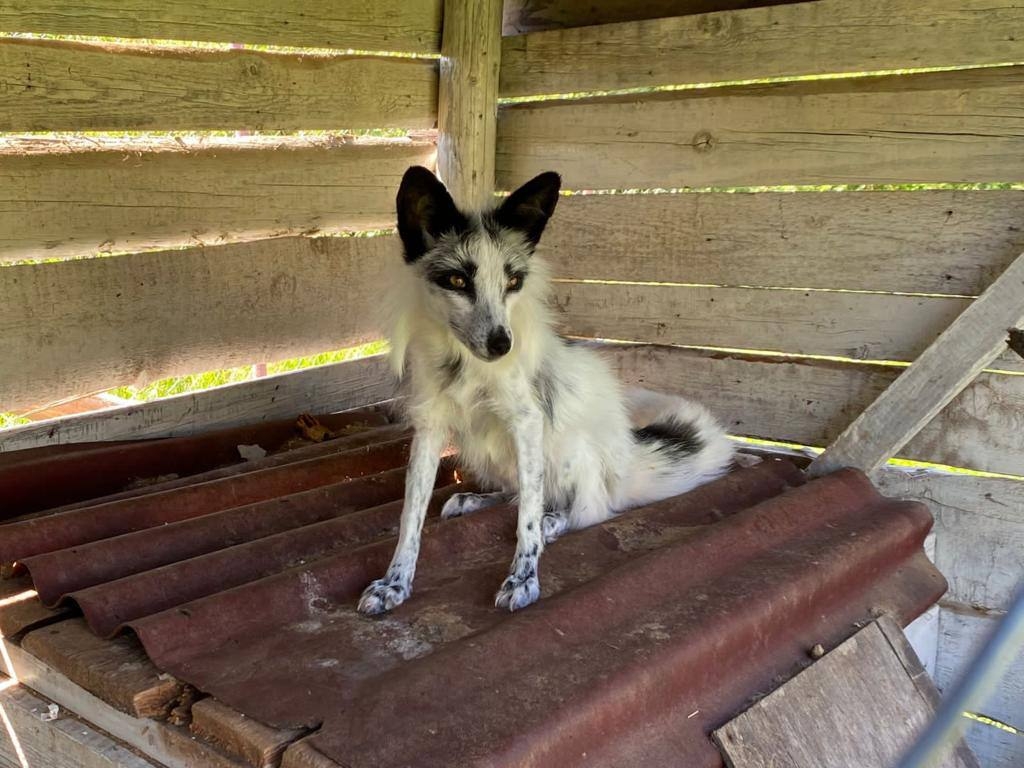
(462, 504)
(518, 592)
(382, 595)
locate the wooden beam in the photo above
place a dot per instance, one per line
(871, 130)
(377, 25)
(468, 99)
(138, 198)
(57, 86)
(335, 387)
(810, 38)
(249, 740)
(976, 338)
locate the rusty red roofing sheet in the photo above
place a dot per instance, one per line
(654, 628)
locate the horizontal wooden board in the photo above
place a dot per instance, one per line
(811, 403)
(979, 524)
(368, 25)
(963, 126)
(861, 326)
(87, 325)
(55, 86)
(938, 241)
(811, 38)
(532, 15)
(327, 388)
(87, 202)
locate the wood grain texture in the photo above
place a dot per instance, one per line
(335, 387)
(534, 15)
(862, 326)
(258, 745)
(88, 202)
(55, 86)
(368, 25)
(856, 706)
(88, 325)
(971, 343)
(940, 127)
(792, 400)
(824, 37)
(948, 242)
(468, 99)
(961, 637)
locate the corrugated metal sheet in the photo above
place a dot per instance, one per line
(653, 629)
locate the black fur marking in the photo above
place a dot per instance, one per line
(426, 212)
(440, 274)
(673, 437)
(529, 207)
(546, 386)
(511, 272)
(451, 369)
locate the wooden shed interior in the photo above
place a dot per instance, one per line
(774, 207)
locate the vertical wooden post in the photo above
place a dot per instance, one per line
(468, 99)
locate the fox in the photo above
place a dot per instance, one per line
(537, 419)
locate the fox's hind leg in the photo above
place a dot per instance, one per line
(466, 503)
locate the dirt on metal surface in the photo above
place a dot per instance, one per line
(654, 628)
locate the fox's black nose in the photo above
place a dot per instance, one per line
(499, 342)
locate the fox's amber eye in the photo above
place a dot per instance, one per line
(456, 281)
(514, 281)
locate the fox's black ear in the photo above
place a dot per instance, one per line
(425, 212)
(529, 207)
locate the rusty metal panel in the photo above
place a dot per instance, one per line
(654, 628)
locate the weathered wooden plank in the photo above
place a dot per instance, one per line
(249, 740)
(368, 25)
(792, 400)
(56, 86)
(87, 325)
(961, 637)
(825, 37)
(972, 342)
(334, 387)
(939, 127)
(862, 326)
(979, 523)
(468, 99)
(66, 742)
(88, 202)
(808, 723)
(534, 15)
(936, 241)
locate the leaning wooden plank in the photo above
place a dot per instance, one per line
(468, 105)
(92, 324)
(56, 86)
(65, 742)
(164, 744)
(825, 37)
(375, 25)
(936, 241)
(249, 740)
(862, 326)
(810, 402)
(335, 387)
(974, 340)
(532, 15)
(856, 706)
(939, 127)
(57, 205)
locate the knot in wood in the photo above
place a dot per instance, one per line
(703, 141)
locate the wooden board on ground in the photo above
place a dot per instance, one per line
(57, 86)
(379, 25)
(253, 742)
(859, 705)
(972, 342)
(871, 130)
(82, 203)
(811, 38)
(934, 241)
(860, 326)
(118, 671)
(20, 609)
(335, 387)
(88, 325)
(810, 402)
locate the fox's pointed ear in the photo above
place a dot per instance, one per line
(425, 212)
(529, 207)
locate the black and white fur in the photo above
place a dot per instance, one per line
(534, 417)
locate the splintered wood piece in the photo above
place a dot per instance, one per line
(257, 744)
(116, 671)
(859, 705)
